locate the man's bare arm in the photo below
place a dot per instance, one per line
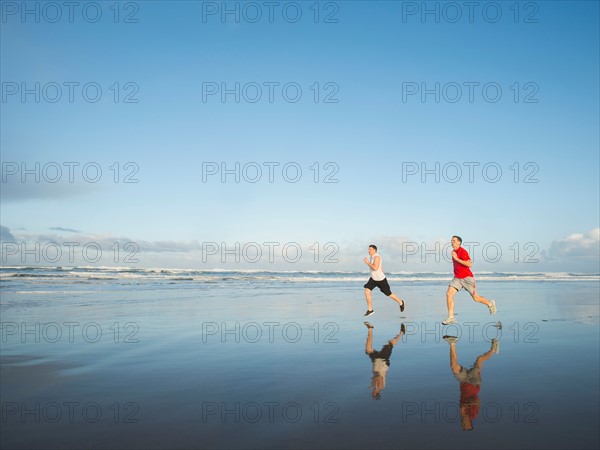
(464, 262)
(375, 264)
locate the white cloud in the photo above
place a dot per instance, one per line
(5, 234)
(577, 245)
(67, 230)
(578, 252)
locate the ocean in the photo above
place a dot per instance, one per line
(93, 276)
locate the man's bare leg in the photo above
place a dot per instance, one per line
(396, 338)
(369, 343)
(480, 299)
(454, 366)
(450, 300)
(396, 299)
(368, 298)
(482, 358)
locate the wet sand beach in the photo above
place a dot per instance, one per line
(284, 366)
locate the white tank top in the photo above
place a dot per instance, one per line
(378, 274)
(380, 367)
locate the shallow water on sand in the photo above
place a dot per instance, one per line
(285, 367)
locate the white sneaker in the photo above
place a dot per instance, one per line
(449, 320)
(492, 307)
(451, 339)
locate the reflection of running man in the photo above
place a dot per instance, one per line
(380, 360)
(377, 279)
(463, 278)
(470, 382)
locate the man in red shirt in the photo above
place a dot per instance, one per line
(463, 278)
(470, 381)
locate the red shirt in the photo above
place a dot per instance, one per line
(461, 271)
(469, 399)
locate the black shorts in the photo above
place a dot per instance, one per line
(382, 285)
(385, 353)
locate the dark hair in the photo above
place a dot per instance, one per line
(374, 247)
(459, 238)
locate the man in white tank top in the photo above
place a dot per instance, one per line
(380, 359)
(377, 279)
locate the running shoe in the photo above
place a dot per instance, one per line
(451, 339)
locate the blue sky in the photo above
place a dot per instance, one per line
(368, 60)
